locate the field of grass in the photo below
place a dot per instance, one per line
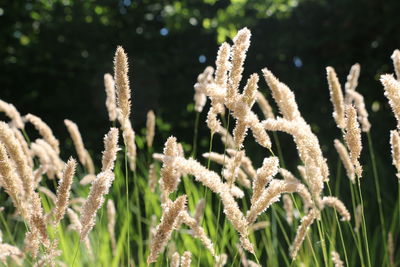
(174, 207)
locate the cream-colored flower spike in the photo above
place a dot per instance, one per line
(224, 91)
(122, 83)
(265, 106)
(395, 144)
(150, 128)
(24, 144)
(392, 89)
(265, 174)
(80, 149)
(128, 135)
(336, 259)
(241, 44)
(338, 206)
(64, 190)
(100, 187)
(396, 62)
(44, 130)
(283, 97)
(111, 104)
(223, 65)
(203, 80)
(359, 104)
(222, 160)
(164, 229)
(308, 148)
(17, 155)
(12, 113)
(306, 222)
(197, 231)
(271, 195)
(352, 78)
(288, 207)
(352, 136)
(212, 121)
(212, 180)
(336, 97)
(175, 260)
(245, 118)
(186, 259)
(12, 183)
(110, 149)
(170, 177)
(345, 158)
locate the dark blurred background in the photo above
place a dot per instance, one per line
(54, 54)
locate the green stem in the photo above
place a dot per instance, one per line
(312, 250)
(139, 222)
(358, 239)
(364, 227)
(223, 165)
(76, 252)
(337, 221)
(322, 239)
(195, 134)
(127, 204)
(378, 196)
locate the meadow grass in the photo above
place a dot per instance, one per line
(242, 222)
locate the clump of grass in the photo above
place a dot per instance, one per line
(250, 229)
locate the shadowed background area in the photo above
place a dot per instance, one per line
(54, 55)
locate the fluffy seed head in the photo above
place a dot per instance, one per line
(110, 149)
(392, 88)
(165, 228)
(358, 100)
(44, 130)
(265, 174)
(150, 126)
(288, 206)
(80, 149)
(98, 190)
(186, 259)
(264, 106)
(203, 81)
(306, 221)
(395, 144)
(63, 190)
(122, 83)
(12, 182)
(283, 96)
(396, 62)
(336, 259)
(345, 158)
(352, 78)
(338, 206)
(110, 99)
(128, 135)
(241, 44)
(336, 97)
(12, 113)
(223, 65)
(170, 177)
(17, 155)
(352, 137)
